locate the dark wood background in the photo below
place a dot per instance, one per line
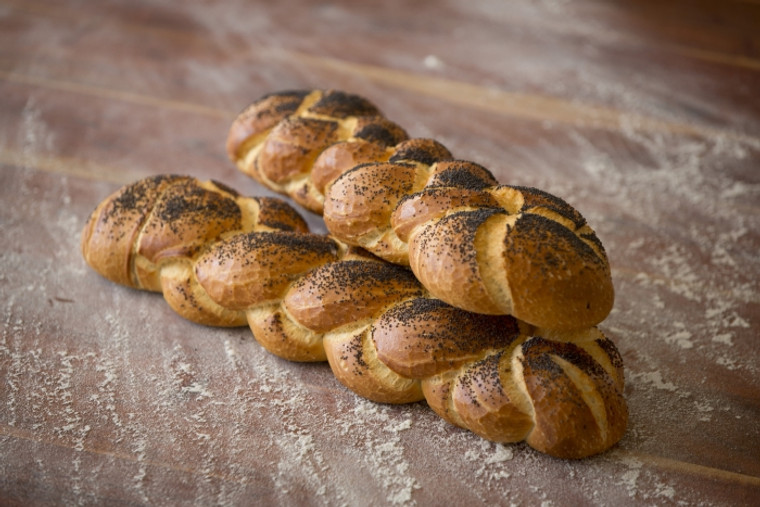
(644, 115)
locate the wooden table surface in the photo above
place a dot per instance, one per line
(644, 115)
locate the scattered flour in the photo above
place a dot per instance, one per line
(681, 336)
(704, 409)
(385, 452)
(490, 459)
(205, 411)
(654, 378)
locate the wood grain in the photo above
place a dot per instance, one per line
(644, 115)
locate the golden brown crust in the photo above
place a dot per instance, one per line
(148, 234)
(278, 140)
(419, 151)
(581, 288)
(442, 248)
(341, 157)
(276, 214)
(460, 174)
(341, 293)
(503, 380)
(481, 396)
(544, 264)
(354, 363)
(357, 206)
(432, 204)
(256, 268)
(260, 117)
(310, 298)
(110, 232)
(183, 294)
(341, 105)
(185, 217)
(292, 146)
(275, 330)
(579, 408)
(423, 337)
(411, 203)
(377, 131)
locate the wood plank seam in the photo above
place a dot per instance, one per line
(10, 432)
(514, 104)
(693, 469)
(114, 94)
(684, 467)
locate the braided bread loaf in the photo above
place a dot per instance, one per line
(476, 244)
(222, 259)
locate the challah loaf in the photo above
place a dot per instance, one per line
(222, 259)
(476, 244)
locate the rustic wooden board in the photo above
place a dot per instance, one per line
(644, 115)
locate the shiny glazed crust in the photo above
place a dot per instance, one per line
(472, 242)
